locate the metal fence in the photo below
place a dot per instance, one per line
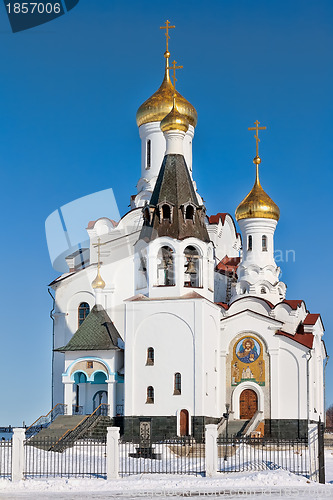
(5, 459)
(82, 458)
(181, 455)
(255, 454)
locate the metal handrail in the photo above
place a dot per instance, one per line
(45, 416)
(84, 420)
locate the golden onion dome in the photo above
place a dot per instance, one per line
(98, 281)
(174, 120)
(257, 204)
(159, 104)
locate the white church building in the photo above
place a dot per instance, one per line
(173, 317)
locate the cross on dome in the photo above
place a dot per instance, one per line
(174, 67)
(257, 128)
(167, 28)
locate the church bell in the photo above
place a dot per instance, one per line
(190, 269)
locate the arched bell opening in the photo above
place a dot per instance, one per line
(165, 267)
(192, 267)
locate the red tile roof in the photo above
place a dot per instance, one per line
(228, 265)
(214, 219)
(294, 304)
(222, 304)
(311, 319)
(300, 337)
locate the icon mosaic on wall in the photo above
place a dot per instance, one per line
(248, 363)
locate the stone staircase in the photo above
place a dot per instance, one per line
(66, 429)
(235, 428)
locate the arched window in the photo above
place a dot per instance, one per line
(83, 311)
(150, 395)
(264, 243)
(192, 264)
(150, 356)
(166, 212)
(146, 214)
(189, 213)
(165, 269)
(148, 163)
(80, 378)
(177, 384)
(249, 244)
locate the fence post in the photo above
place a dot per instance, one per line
(321, 452)
(18, 454)
(211, 450)
(112, 453)
(313, 451)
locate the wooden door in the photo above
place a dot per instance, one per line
(183, 423)
(248, 404)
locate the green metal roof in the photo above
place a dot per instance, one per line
(97, 332)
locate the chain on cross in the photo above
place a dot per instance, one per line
(167, 28)
(257, 128)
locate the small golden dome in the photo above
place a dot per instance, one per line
(98, 281)
(174, 120)
(159, 104)
(257, 203)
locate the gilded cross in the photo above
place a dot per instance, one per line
(174, 67)
(257, 128)
(98, 245)
(167, 28)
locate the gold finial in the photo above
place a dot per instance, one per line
(174, 67)
(98, 281)
(167, 28)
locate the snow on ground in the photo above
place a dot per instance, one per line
(275, 485)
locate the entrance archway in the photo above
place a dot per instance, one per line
(248, 404)
(101, 397)
(183, 423)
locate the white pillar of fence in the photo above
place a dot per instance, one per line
(211, 450)
(18, 454)
(313, 451)
(112, 453)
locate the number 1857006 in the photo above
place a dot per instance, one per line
(33, 8)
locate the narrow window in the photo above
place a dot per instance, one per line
(83, 312)
(166, 213)
(146, 215)
(150, 395)
(189, 213)
(264, 243)
(150, 356)
(148, 154)
(165, 268)
(177, 384)
(249, 244)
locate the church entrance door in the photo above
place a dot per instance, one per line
(248, 404)
(101, 397)
(183, 421)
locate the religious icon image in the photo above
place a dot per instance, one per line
(248, 350)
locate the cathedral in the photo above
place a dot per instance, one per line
(175, 318)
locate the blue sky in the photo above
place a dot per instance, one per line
(69, 93)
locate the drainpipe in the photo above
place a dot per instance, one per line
(308, 385)
(52, 317)
(327, 358)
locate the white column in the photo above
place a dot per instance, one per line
(112, 397)
(69, 396)
(112, 453)
(313, 451)
(18, 454)
(211, 450)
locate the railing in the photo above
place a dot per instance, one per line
(182, 455)
(72, 434)
(5, 459)
(85, 458)
(77, 410)
(254, 454)
(45, 420)
(119, 410)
